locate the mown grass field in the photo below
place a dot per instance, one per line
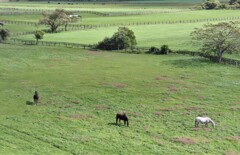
(81, 91)
(155, 17)
(177, 36)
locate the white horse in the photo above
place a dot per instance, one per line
(204, 120)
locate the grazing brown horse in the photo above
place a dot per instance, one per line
(122, 117)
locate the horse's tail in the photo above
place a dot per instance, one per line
(213, 123)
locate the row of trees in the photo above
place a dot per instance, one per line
(213, 4)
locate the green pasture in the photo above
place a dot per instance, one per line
(93, 19)
(13, 28)
(161, 17)
(177, 36)
(81, 91)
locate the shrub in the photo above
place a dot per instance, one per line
(153, 50)
(38, 35)
(4, 34)
(124, 38)
(163, 50)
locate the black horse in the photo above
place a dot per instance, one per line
(35, 97)
(122, 117)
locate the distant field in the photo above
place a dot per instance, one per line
(177, 37)
(93, 19)
(81, 91)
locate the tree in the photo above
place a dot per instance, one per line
(38, 35)
(210, 4)
(234, 2)
(55, 19)
(124, 38)
(4, 34)
(218, 38)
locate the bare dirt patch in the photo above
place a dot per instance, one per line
(102, 107)
(172, 89)
(192, 108)
(160, 78)
(119, 85)
(135, 114)
(235, 109)
(75, 102)
(231, 153)
(158, 113)
(67, 106)
(187, 141)
(80, 116)
(166, 109)
(201, 97)
(235, 138)
(235, 102)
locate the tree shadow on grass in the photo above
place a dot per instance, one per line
(29, 103)
(192, 62)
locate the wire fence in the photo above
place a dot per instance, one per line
(78, 45)
(72, 26)
(12, 11)
(50, 43)
(212, 58)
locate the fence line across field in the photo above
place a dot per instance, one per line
(83, 26)
(78, 45)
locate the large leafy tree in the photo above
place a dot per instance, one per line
(210, 4)
(124, 38)
(218, 38)
(4, 34)
(55, 19)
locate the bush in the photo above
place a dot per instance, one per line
(38, 35)
(163, 50)
(4, 34)
(124, 38)
(153, 50)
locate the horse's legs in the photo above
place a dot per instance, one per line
(206, 124)
(196, 124)
(124, 122)
(116, 120)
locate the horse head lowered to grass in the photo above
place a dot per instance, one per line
(204, 120)
(123, 117)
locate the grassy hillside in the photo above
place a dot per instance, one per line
(81, 91)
